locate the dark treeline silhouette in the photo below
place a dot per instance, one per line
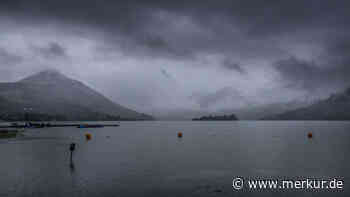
(216, 118)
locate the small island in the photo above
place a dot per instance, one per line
(231, 117)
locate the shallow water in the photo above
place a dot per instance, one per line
(147, 159)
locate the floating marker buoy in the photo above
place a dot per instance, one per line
(179, 135)
(88, 136)
(309, 135)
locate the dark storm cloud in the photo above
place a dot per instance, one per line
(52, 50)
(307, 75)
(138, 21)
(338, 50)
(202, 33)
(298, 73)
(7, 58)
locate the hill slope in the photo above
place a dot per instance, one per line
(53, 94)
(336, 107)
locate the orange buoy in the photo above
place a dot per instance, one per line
(179, 135)
(88, 136)
(309, 135)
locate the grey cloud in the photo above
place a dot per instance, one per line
(307, 75)
(298, 73)
(231, 65)
(152, 44)
(338, 50)
(166, 74)
(208, 100)
(52, 50)
(8, 59)
(185, 33)
(223, 24)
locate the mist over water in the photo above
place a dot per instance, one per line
(147, 159)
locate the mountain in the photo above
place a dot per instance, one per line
(52, 95)
(257, 112)
(336, 107)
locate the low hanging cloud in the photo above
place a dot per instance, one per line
(51, 50)
(299, 73)
(209, 100)
(231, 65)
(308, 76)
(7, 58)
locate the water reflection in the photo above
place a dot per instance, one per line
(72, 167)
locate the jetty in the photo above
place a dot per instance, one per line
(8, 133)
(50, 125)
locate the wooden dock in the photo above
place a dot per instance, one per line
(50, 125)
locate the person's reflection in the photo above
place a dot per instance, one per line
(74, 177)
(71, 167)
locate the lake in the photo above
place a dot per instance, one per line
(148, 159)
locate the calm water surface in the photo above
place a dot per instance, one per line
(147, 159)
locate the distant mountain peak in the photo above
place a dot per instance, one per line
(51, 71)
(49, 75)
(52, 94)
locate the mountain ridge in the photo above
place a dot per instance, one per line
(52, 93)
(335, 107)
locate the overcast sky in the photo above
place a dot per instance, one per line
(164, 54)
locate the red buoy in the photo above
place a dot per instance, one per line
(309, 135)
(179, 135)
(88, 136)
